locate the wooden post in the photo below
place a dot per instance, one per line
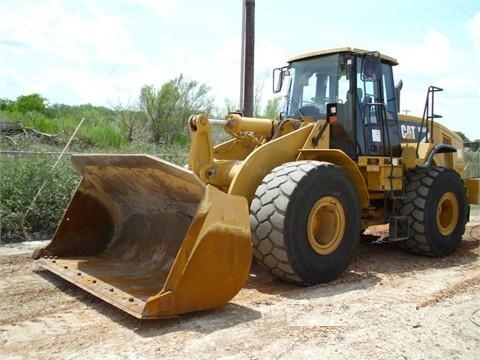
(248, 55)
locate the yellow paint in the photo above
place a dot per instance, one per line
(447, 213)
(339, 158)
(158, 240)
(326, 225)
(264, 158)
(473, 190)
(149, 237)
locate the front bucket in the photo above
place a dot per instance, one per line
(150, 238)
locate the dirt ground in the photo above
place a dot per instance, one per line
(389, 305)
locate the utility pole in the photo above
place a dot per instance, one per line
(248, 55)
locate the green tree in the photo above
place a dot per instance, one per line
(471, 145)
(475, 145)
(229, 105)
(257, 96)
(132, 120)
(32, 102)
(168, 109)
(6, 105)
(272, 109)
(78, 111)
(462, 135)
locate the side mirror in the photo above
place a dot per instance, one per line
(370, 67)
(278, 77)
(398, 88)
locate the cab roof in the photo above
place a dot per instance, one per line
(307, 55)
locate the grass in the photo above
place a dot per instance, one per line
(22, 174)
(101, 131)
(33, 144)
(104, 135)
(20, 181)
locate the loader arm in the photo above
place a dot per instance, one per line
(269, 144)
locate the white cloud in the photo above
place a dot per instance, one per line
(463, 84)
(221, 70)
(474, 31)
(436, 60)
(267, 57)
(158, 6)
(102, 52)
(47, 46)
(431, 56)
(10, 80)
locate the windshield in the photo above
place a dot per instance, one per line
(315, 82)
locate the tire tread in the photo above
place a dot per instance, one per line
(418, 189)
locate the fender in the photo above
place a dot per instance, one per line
(437, 149)
(266, 157)
(341, 159)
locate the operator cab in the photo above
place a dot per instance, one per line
(357, 85)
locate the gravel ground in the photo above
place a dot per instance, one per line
(388, 305)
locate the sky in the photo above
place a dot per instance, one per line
(103, 51)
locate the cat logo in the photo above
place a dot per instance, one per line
(408, 131)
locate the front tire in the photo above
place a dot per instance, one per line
(305, 221)
(437, 211)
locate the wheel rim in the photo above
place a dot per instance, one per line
(326, 225)
(447, 213)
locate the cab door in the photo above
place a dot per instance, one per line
(376, 109)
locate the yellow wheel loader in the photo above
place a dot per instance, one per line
(157, 240)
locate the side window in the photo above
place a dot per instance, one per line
(343, 89)
(344, 111)
(389, 92)
(366, 95)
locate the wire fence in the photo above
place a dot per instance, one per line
(177, 158)
(25, 173)
(472, 158)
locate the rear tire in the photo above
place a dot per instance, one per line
(437, 210)
(305, 221)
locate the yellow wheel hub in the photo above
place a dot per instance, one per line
(326, 225)
(447, 213)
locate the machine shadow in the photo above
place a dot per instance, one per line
(204, 322)
(372, 263)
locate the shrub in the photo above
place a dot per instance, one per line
(42, 123)
(29, 103)
(19, 182)
(103, 135)
(34, 120)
